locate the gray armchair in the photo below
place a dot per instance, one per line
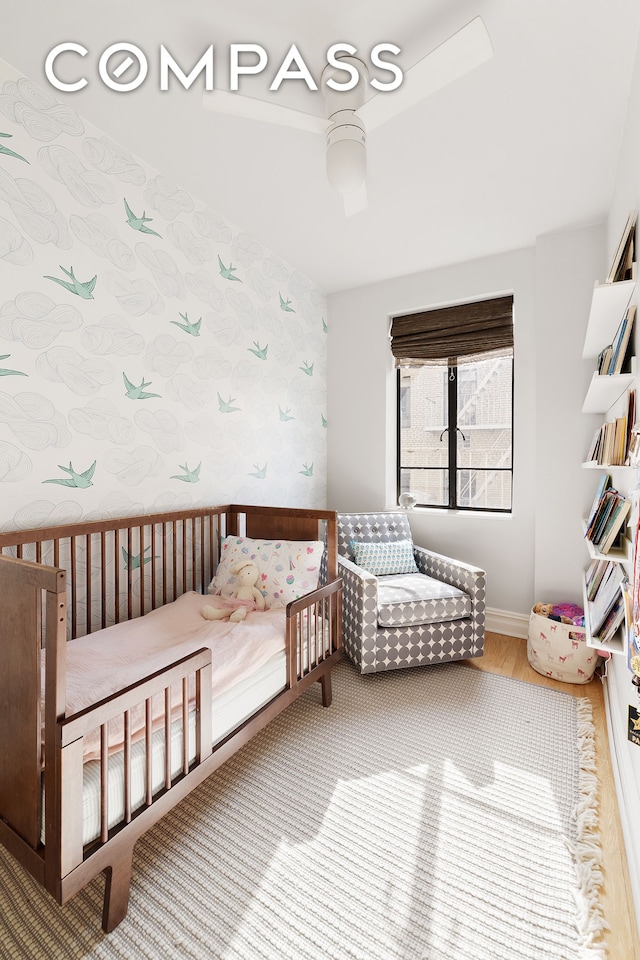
(406, 619)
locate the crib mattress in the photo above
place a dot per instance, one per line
(230, 706)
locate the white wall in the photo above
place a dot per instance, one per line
(567, 265)
(537, 553)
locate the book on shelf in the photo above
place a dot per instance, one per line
(611, 441)
(594, 575)
(607, 519)
(611, 358)
(623, 258)
(614, 525)
(612, 621)
(607, 598)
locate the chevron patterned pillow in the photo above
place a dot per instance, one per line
(383, 559)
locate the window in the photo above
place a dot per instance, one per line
(455, 450)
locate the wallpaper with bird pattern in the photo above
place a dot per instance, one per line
(152, 355)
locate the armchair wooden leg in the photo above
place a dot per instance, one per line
(116, 891)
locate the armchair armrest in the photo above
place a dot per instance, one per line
(462, 575)
(359, 605)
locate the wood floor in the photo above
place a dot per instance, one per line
(508, 657)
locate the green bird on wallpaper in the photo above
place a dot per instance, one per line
(284, 304)
(10, 373)
(191, 476)
(324, 325)
(284, 414)
(191, 328)
(10, 153)
(138, 393)
(78, 480)
(133, 561)
(307, 368)
(138, 223)
(225, 405)
(227, 272)
(324, 420)
(260, 352)
(307, 471)
(84, 290)
(260, 473)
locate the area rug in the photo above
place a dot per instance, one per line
(436, 813)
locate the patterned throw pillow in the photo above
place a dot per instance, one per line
(288, 568)
(382, 559)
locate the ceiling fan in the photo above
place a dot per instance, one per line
(349, 116)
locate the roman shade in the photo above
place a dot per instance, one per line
(453, 333)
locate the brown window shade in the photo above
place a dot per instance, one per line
(457, 332)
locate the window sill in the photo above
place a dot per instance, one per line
(445, 512)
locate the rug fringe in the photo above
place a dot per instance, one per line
(587, 849)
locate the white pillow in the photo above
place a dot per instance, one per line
(288, 568)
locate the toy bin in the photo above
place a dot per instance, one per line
(559, 650)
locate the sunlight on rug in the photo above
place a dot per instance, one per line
(429, 814)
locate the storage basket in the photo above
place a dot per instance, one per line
(559, 650)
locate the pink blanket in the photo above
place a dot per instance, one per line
(105, 662)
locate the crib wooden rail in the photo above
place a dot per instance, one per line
(72, 730)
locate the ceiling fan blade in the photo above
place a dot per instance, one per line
(355, 202)
(462, 52)
(237, 105)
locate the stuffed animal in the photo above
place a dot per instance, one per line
(569, 613)
(247, 596)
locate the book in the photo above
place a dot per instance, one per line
(622, 264)
(620, 345)
(594, 576)
(606, 597)
(614, 525)
(603, 485)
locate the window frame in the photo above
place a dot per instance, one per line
(452, 429)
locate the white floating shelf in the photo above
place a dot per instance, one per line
(615, 645)
(619, 554)
(608, 305)
(605, 467)
(604, 391)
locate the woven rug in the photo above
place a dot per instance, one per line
(429, 814)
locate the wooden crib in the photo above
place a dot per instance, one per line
(60, 583)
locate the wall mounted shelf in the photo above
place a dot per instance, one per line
(608, 305)
(604, 391)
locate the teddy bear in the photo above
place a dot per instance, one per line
(246, 597)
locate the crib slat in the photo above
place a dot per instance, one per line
(194, 567)
(174, 558)
(116, 574)
(184, 555)
(74, 594)
(167, 737)
(148, 734)
(103, 579)
(88, 583)
(185, 725)
(129, 573)
(127, 766)
(143, 564)
(153, 566)
(164, 563)
(104, 782)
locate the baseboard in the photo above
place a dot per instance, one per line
(504, 621)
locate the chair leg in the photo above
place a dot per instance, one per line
(116, 891)
(325, 684)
